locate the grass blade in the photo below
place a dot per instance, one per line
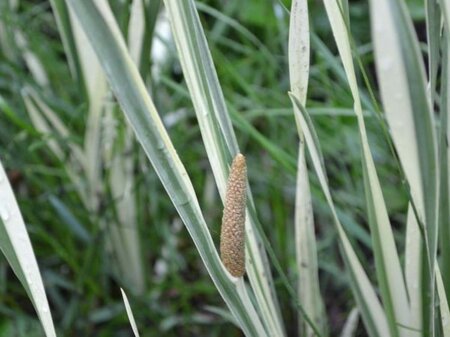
(299, 49)
(69, 218)
(351, 323)
(305, 240)
(443, 304)
(433, 24)
(136, 30)
(56, 124)
(444, 156)
(402, 81)
(96, 90)
(6, 34)
(220, 141)
(128, 87)
(63, 21)
(306, 252)
(16, 245)
(122, 240)
(40, 115)
(366, 298)
(129, 313)
(388, 268)
(445, 7)
(413, 263)
(125, 234)
(33, 63)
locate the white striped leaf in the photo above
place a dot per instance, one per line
(129, 88)
(402, 81)
(220, 142)
(16, 245)
(305, 240)
(388, 268)
(372, 313)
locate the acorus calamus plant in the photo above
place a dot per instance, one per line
(407, 297)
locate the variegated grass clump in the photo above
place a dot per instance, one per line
(403, 302)
(232, 237)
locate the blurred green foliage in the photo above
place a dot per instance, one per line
(251, 60)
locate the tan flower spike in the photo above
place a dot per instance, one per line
(232, 237)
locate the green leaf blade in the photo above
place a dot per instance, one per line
(127, 85)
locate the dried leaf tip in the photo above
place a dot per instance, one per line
(232, 237)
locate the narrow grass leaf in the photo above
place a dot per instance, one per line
(40, 123)
(130, 313)
(365, 296)
(445, 7)
(62, 16)
(39, 120)
(69, 218)
(16, 245)
(129, 88)
(306, 252)
(33, 63)
(124, 239)
(6, 36)
(433, 24)
(136, 30)
(299, 49)
(351, 324)
(413, 258)
(96, 90)
(223, 313)
(55, 123)
(388, 268)
(443, 304)
(245, 32)
(125, 233)
(220, 141)
(336, 67)
(305, 240)
(401, 76)
(444, 156)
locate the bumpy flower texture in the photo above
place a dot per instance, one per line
(232, 238)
